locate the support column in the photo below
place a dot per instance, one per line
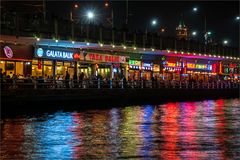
(126, 72)
(54, 69)
(111, 72)
(42, 67)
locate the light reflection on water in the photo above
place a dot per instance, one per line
(184, 130)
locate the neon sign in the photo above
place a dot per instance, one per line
(8, 52)
(169, 64)
(134, 62)
(103, 58)
(191, 65)
(53, 53)
(199, 66)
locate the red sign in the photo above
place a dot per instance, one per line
(232, 65)
(96, 57)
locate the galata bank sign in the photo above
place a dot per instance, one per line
(54, 53)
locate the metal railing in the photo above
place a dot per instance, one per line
(11, 84)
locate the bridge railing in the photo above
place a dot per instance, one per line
(9, 84)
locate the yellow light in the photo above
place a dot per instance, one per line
(124, 47)
(205, 55)
(214, 55)
(144, 49)
(1, 61)
(182, 52)
(134, 48)
(153, 49)
(38, 39)
(210, 55)
(101, 44)
(113, 46)
(168, 51)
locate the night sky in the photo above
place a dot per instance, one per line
(220, 15)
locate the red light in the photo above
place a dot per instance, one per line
(106, 4)
(76, 56)
(76, 6)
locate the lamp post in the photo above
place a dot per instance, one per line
(206, 33)
(153, 23)
(90, 16)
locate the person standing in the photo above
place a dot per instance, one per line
(75, 79)
(67, 77)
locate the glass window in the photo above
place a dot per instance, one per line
(19, 68)
(2, 66)
(35, 71)
(67, 64)
(48, 63)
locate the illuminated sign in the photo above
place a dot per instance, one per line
(133, 62)
(170, 64)
(8, 52)
(96, 57)
(191, 65)
(156, 68)
(55, 53)
(147, 65)
(232, 65)
(199, 66)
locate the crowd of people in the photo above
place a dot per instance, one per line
(93, 81)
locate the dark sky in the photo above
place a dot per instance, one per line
(220, 15)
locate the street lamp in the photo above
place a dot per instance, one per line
(154, 22)
(237, 18)
(90, 15)
(195, 9)
(225, 42)
(194, 33)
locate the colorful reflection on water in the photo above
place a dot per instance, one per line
(184, 130)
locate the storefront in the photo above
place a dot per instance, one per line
(201, 72)
(134, 70)
(156, 71)
(147, 71)
(172, 70)
(104, 65)
(52, 61)
(230, 70)
(16, 59)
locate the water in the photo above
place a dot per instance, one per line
(172, 131)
